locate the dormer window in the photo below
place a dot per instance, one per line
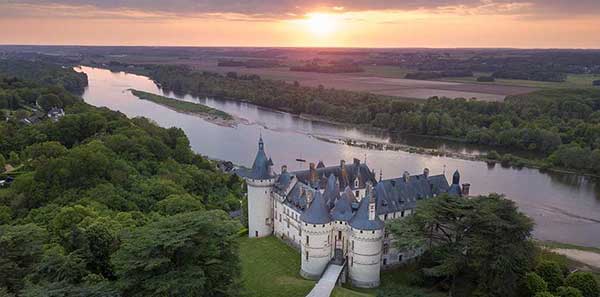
(356, 184)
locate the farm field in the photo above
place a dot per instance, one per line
(383, 80)
(574, 81)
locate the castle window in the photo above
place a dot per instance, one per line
(400, 258)
(385, 217)
(339, 235)
(307, 241)
(384, 261)
(386, 234)
(386, 249)
(357, 194)
(353, 245)
(402, 214)
(306, 255)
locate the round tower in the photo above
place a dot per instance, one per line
(260, 181)
(366, 241)
(341, 213)
(316, 226)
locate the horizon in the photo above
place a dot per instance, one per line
(480, 24)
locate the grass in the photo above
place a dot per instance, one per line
(270, 268)
(182, 106)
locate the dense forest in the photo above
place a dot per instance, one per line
(103, 205)
(45, 74)
(563, 126)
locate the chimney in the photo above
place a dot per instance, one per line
(426, 172)
(465, 189)
(309, 197)
(312, 175)
(371, 197)
(284, 169)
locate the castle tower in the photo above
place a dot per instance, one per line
(340, 215)
(455, 189)
(366, 241)
(260, 181)
(316, 226)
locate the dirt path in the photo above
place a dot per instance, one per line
(585, 257)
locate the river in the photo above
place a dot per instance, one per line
(565, 207)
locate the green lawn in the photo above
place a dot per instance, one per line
(270, 268)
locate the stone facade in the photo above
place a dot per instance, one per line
(337, 213)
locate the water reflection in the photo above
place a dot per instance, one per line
(565, 207)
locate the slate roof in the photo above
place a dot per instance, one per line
(317, 212)
(361, 218)
(455, 189)
(261, 166)
(345, 177)
(332, 191)
(342, 211)
(398, 194)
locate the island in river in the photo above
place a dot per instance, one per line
(208, 113)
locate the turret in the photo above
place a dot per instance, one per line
(260, 180)
(455, 189)
(315, 224)
(366, 235)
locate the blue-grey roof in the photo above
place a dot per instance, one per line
(262, 164)
(361, 218)
(317, 212)
(332, 191)
(399, 194)
(283, 181)
(346, 174)
(342, 211)
(455, 189)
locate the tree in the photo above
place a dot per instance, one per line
(484, 240)
(534, 284)
(191, 254)
(544, 294)
(175, 204)
(585, 282)
(2, 163)
(21, 248)
(551, 273)
(48, 101)
(568, 292)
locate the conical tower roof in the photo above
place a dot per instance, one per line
(317, 212)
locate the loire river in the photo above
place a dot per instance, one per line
(566, 208)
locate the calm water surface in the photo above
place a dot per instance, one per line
(566, 208)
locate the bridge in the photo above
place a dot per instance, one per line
(330, 277)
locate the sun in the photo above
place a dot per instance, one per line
(321, 24)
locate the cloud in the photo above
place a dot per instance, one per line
(285, 9)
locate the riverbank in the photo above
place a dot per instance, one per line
(212, 115)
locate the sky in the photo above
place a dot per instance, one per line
(306, 23)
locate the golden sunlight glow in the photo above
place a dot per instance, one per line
(321, 24)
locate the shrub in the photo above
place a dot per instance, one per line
(585, 282)
(535, 283)
(551, 273)
(568, 292)
(544, 294)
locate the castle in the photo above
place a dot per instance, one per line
(337, 214)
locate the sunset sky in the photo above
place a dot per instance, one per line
(359, 23)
